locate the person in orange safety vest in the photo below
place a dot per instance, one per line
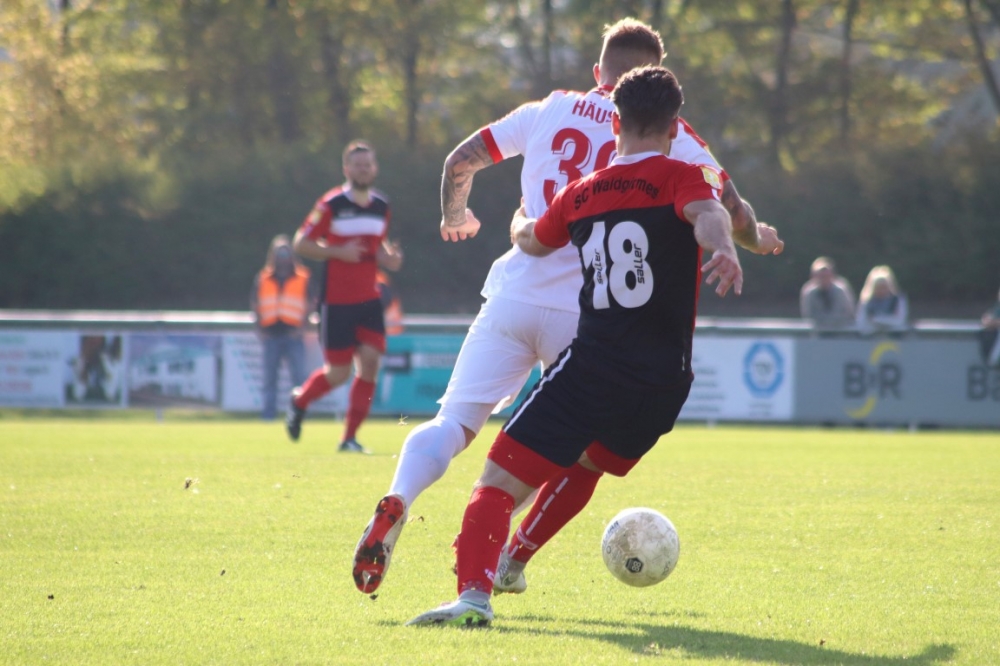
(281, 301)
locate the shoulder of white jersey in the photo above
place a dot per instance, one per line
(691, 148)
(685, 127)
(560, 95)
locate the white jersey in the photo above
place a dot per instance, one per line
(563, 137)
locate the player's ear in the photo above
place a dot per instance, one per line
(597, 73)
(674, 125)
(616, 124)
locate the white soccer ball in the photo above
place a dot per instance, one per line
(640, 547)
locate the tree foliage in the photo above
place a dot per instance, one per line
(201, 128)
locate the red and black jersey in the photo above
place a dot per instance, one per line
(641, 265)
(336, 219)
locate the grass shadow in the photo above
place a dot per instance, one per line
(655, 639)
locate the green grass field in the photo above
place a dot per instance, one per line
(798, 546)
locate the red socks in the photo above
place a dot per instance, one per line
(484, 530)
(559, 500)
(314, 388)
(358, 405)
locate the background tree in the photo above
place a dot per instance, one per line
(149, 151)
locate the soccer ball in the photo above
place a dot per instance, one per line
(640, 547)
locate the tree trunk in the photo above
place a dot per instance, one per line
(845, 70)
(656, 14)
(281, 74)
(544, 82)
(779, 100)
(338, 99)
(411, 58)
(984, 62)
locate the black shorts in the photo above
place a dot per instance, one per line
(344, 327)
(569, 408)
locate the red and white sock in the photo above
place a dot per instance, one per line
(559, 500)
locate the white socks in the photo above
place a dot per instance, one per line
(425, 457)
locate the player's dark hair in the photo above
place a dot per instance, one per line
(357, 146)
(628, 44)
(647, 99)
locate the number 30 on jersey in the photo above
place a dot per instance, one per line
(619, 263)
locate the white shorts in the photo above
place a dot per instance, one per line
(504, 343)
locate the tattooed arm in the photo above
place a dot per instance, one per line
(457, 221)
(748, 233)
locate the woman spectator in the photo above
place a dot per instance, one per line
(882, 308)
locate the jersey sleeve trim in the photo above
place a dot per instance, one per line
(491, 145)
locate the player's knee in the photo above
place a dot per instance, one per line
(497, 477)
(369, 360)
(337, 374)
(440, 438)
(469, 416)
(588, 464)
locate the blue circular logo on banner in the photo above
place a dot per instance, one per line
(763, 369)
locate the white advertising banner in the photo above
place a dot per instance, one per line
(243, 376)
(173, 370)
(743, 379)
(34, 367)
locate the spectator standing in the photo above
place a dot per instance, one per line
(280, 302)
(348, 230)
(827, 299)
(882, 307)
(990, 335)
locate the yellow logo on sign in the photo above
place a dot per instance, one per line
(875, 377)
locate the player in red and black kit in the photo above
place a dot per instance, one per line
(347, 229)
(640, 226)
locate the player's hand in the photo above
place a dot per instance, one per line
(468, 229)
(517, 222)
(351, 251)
(769, 241)
(391, 256)
(724, 268)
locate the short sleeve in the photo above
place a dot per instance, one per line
(317, 222)
(691, 148)
(552, 228)
(509, 136)
(695, 183)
